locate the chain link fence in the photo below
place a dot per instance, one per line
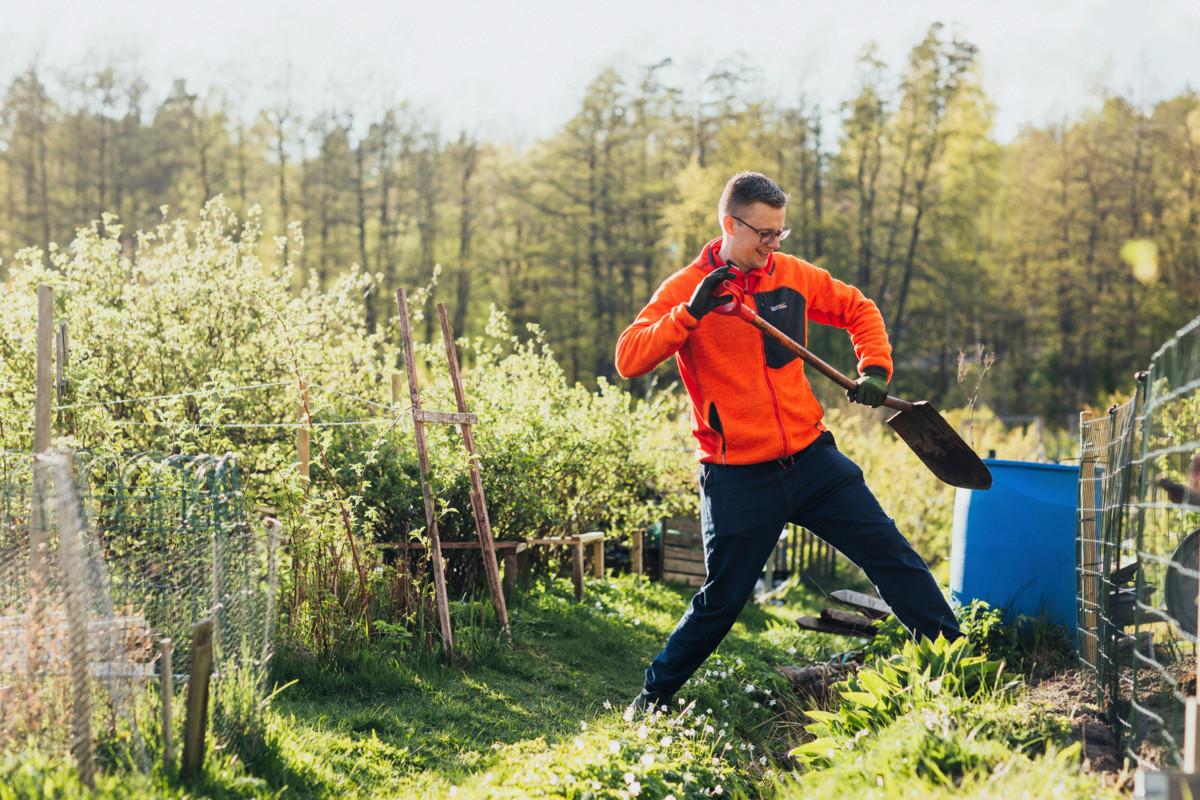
(1138, 552)
(102, 559)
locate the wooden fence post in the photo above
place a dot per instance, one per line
(635, 548)
(598, 558)
(75, 591)
(197, 699)
(167, 690)
(41, 442)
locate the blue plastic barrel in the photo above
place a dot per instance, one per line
(1014, 544)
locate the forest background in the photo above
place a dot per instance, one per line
(1068, 252)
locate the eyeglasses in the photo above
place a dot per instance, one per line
(765, 235)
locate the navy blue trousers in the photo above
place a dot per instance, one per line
(743, 509)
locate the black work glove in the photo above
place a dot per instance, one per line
(871, 388)
(705, 298)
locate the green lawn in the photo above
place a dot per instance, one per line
(542, 718)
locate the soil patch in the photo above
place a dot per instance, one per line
(1071, 694)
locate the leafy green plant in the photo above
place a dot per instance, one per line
(875, 696)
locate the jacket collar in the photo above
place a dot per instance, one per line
(710, 259)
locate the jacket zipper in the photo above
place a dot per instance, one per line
(771, 391)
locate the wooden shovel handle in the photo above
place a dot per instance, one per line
(811, 358)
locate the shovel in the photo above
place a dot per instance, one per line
(920, 425)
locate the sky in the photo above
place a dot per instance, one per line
(517, 70)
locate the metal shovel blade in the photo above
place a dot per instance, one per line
(940, 447)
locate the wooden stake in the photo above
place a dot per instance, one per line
(75, 590)
(483, 526)
(197, 699)
(635, 547)
(41, 443)
(435, 548)
(60, 372)
(167, 690)
(1191, 718)
(577, 566)
(303, 444)
(598, 558)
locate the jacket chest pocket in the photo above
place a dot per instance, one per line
(784, 308)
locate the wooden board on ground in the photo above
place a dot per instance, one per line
(849, 618)
(864, 603)
(683, 552)
(829, 626)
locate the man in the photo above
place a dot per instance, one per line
(765, 457)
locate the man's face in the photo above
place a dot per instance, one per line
(746, 248)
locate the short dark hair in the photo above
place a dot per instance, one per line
(746, 188)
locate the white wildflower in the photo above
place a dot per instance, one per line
(643, 732)
(607, 705)
(665, 741)
(578, 743)
(613, 747)
(629, 777)
(647, 759)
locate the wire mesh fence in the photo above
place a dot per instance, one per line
(1138, 540)
(93, 578)
(1105, 555)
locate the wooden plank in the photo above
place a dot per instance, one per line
(685, 567)
(686, 580)
(555, 540)
(680, 554)
(591, 536)
(689, 539)
(504, 545)
(828, 626)
(682, 524)
(435, 550)
(871, 606)
(446, 417)
(849, 618)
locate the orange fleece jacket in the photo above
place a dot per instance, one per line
(751, 401)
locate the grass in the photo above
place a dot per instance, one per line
(542, 718)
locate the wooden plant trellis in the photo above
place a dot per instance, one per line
(464, 419)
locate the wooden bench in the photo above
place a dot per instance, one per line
(506, 551)
(594, 540)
